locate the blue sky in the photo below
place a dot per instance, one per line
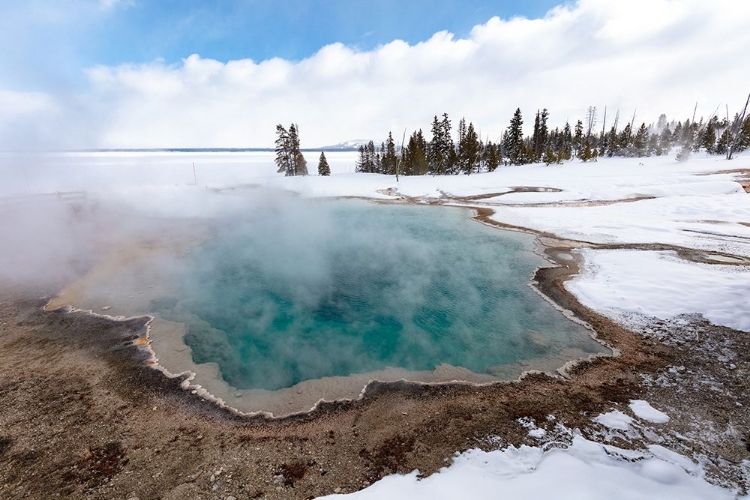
(71, 35)
(78, 74)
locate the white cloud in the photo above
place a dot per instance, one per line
(659, 56)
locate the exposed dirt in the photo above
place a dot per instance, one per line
(83, 416)
(742, 176)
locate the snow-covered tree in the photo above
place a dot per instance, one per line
(323, 168)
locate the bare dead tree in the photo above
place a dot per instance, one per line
(736, 127)
(617, 120)
(403, 138)
(590, 120)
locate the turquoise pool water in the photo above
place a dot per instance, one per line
(303, 290)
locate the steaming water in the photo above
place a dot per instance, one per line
(284, 295)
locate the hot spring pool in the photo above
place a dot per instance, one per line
(302, 291)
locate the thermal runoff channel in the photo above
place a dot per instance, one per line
(303, 290)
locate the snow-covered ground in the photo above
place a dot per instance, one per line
(583, 470)
(659, 284)
(682, 206)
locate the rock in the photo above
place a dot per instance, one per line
(337, 490)
(182, 492)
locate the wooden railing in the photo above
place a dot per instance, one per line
(27, 200)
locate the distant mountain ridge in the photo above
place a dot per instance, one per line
(351, 145)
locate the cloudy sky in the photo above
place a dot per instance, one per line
(78, 74)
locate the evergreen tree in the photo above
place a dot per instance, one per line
(288, 158)
(567, 143)
(515, 148)
(283, 155)
(653, 147)
(625, 141)
(540, 135)
(708, 136)
(442, 155)
(415, 162)
(723, 145)
(361, 165)
(536, 141)
(676, 136)
(450, 150)
(578, 139)
(665, 140)
(550, 156)
(436, 155)
(492, 156)
(640, 142)
(743, 141)
(662, 122)
(469, 151)
(323, 168)
(300, 164)
(390, 160)
(586, 153)
(613, 145)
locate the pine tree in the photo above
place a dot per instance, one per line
(665, 140)
(578, 139)
(379, 159)
(436, 154)
(450, 151)
(289, 158)
(283, 157)
(361, 165)
(613, 145)
(586, 153)
(625, 141)
(550, 156)
(323, 168)
(662, 122)
(390, 160)
(541, 135)
(300, 164)
(653, 147)
(536, 140)
(515, 148)
(723, 145)
(469, 150)
(567, 143)
(640, 142)
(708, 136)
(492, 156)
(743, 141)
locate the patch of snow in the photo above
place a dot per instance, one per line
(537, 433)
(583, 470)
(614, 419)
(644, 411)
(618, 282)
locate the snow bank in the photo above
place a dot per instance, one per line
(659, 284)
(614, 419)
(645, 411)
(585, 470)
